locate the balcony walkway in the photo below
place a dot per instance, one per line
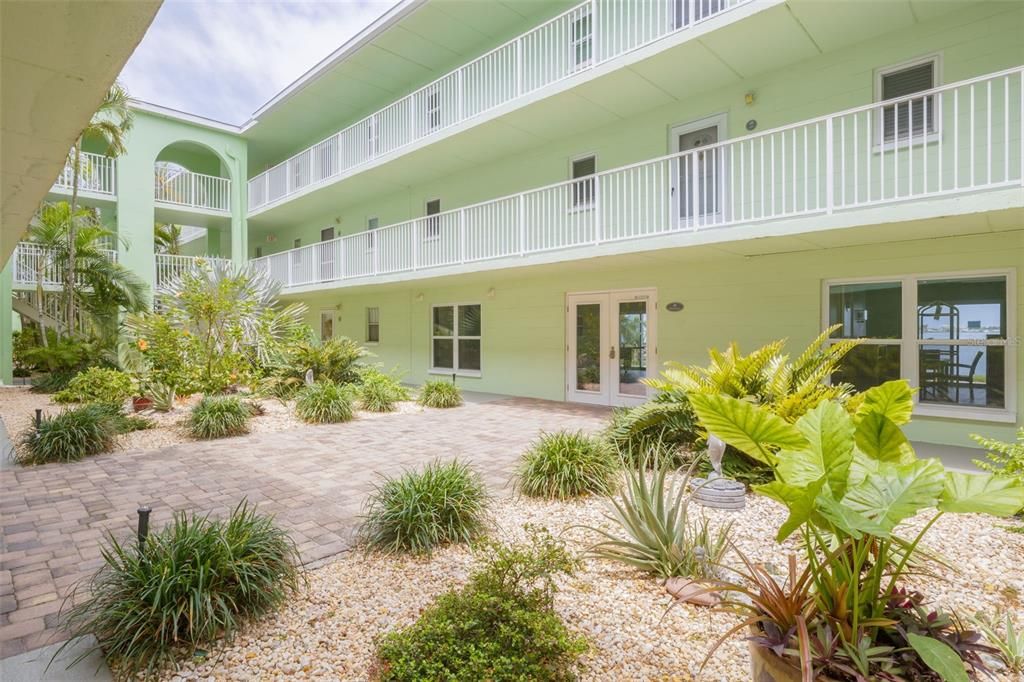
(314, 480)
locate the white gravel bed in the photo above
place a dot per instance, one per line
(18, 406)
(329, 632)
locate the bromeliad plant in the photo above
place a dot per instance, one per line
(849, 480)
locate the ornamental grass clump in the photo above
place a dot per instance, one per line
(444, 503)
(379, 392)
(440, 393)
(219, 417)
(70, 436)
(500, 626)
(850, 479)
(655, 531)
(324, 402)
(194, 582)
(564, 464)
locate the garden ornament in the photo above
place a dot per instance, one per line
(717, 491)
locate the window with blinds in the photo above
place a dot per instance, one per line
(910, 116)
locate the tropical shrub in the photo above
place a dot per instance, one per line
(445, 502)
(439, 393)
(97, 385)
(379, 392)
(766, 376)
(500, 626)
(669, 434)
(69, 436)
(52, 382)
(565, 464)
(218, 327)
(323, 402)
(1002, 459)
(194, 582)
(336, 359)
(219, 417)
(657, 533)
(849, 480)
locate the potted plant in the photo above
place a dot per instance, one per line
(141, 402)
(849, 478)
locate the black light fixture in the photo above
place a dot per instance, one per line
(39, 417)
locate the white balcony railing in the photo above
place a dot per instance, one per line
(170, 267)
(958, 138)
(577, 40)
(97, 174)
(33, 263)
(180, 187)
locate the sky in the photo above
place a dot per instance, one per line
(224, 59)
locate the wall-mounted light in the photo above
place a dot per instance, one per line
(491, 293)
(749, 98)
(271, 238)
(419, 297)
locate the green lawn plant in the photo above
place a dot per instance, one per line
(219, 417)
(500, 626)
(196, 580)
(567, 464)
(440, 393)
(849, 481)
(97, 385)
(380, 392)
(418, 511)
(324, 402)
(655, 530)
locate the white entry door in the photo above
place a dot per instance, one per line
(610, 344)
(697, 178)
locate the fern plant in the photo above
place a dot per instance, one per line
(1002, 459)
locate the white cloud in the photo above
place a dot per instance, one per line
(225, 59)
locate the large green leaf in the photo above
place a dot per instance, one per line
(828, 429)
(745, 426)
(798, 499)
(893, 399)
(982, 494)
(846, 520)
(878, 437)
(940, 657)
(897, 492)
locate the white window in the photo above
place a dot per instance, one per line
(296, 255)
(432, 109)
(433, 222)
(947, 334)
(326, 325)
(910, 116)
(372, 224)
(259, 252)
(581, 45)
(583, 169)
(373, 325)
(455, 339)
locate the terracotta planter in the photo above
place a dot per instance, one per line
(141, 403)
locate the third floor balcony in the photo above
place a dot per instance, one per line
(960, 139)
(581, 39)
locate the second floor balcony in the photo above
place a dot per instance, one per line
(961, 138)
(177, 186)
(97, 175)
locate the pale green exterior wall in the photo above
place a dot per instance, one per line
(982, 39)
(748, 300)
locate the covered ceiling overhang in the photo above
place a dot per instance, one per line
(57, 59)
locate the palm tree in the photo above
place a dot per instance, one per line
(111, 123)
(167, 237)
(102, 286)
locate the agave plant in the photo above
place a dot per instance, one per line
(660, 537)
(849, 480)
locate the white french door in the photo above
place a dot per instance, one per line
(610, 346)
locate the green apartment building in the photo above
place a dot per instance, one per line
(552, 199)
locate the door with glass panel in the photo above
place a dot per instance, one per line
(697, 177)
(610, 346)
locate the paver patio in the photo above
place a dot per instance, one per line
(314, 480)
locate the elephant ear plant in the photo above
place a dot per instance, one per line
(849, 478)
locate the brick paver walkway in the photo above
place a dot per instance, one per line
(314, 479)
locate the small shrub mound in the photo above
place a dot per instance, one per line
(196, 580)
(70, 436)
(379, 392)
(500, 626)
(420, 510)
(565, 464)
(324, 403)
(96, 385)
(440, 393)
(219, 417)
